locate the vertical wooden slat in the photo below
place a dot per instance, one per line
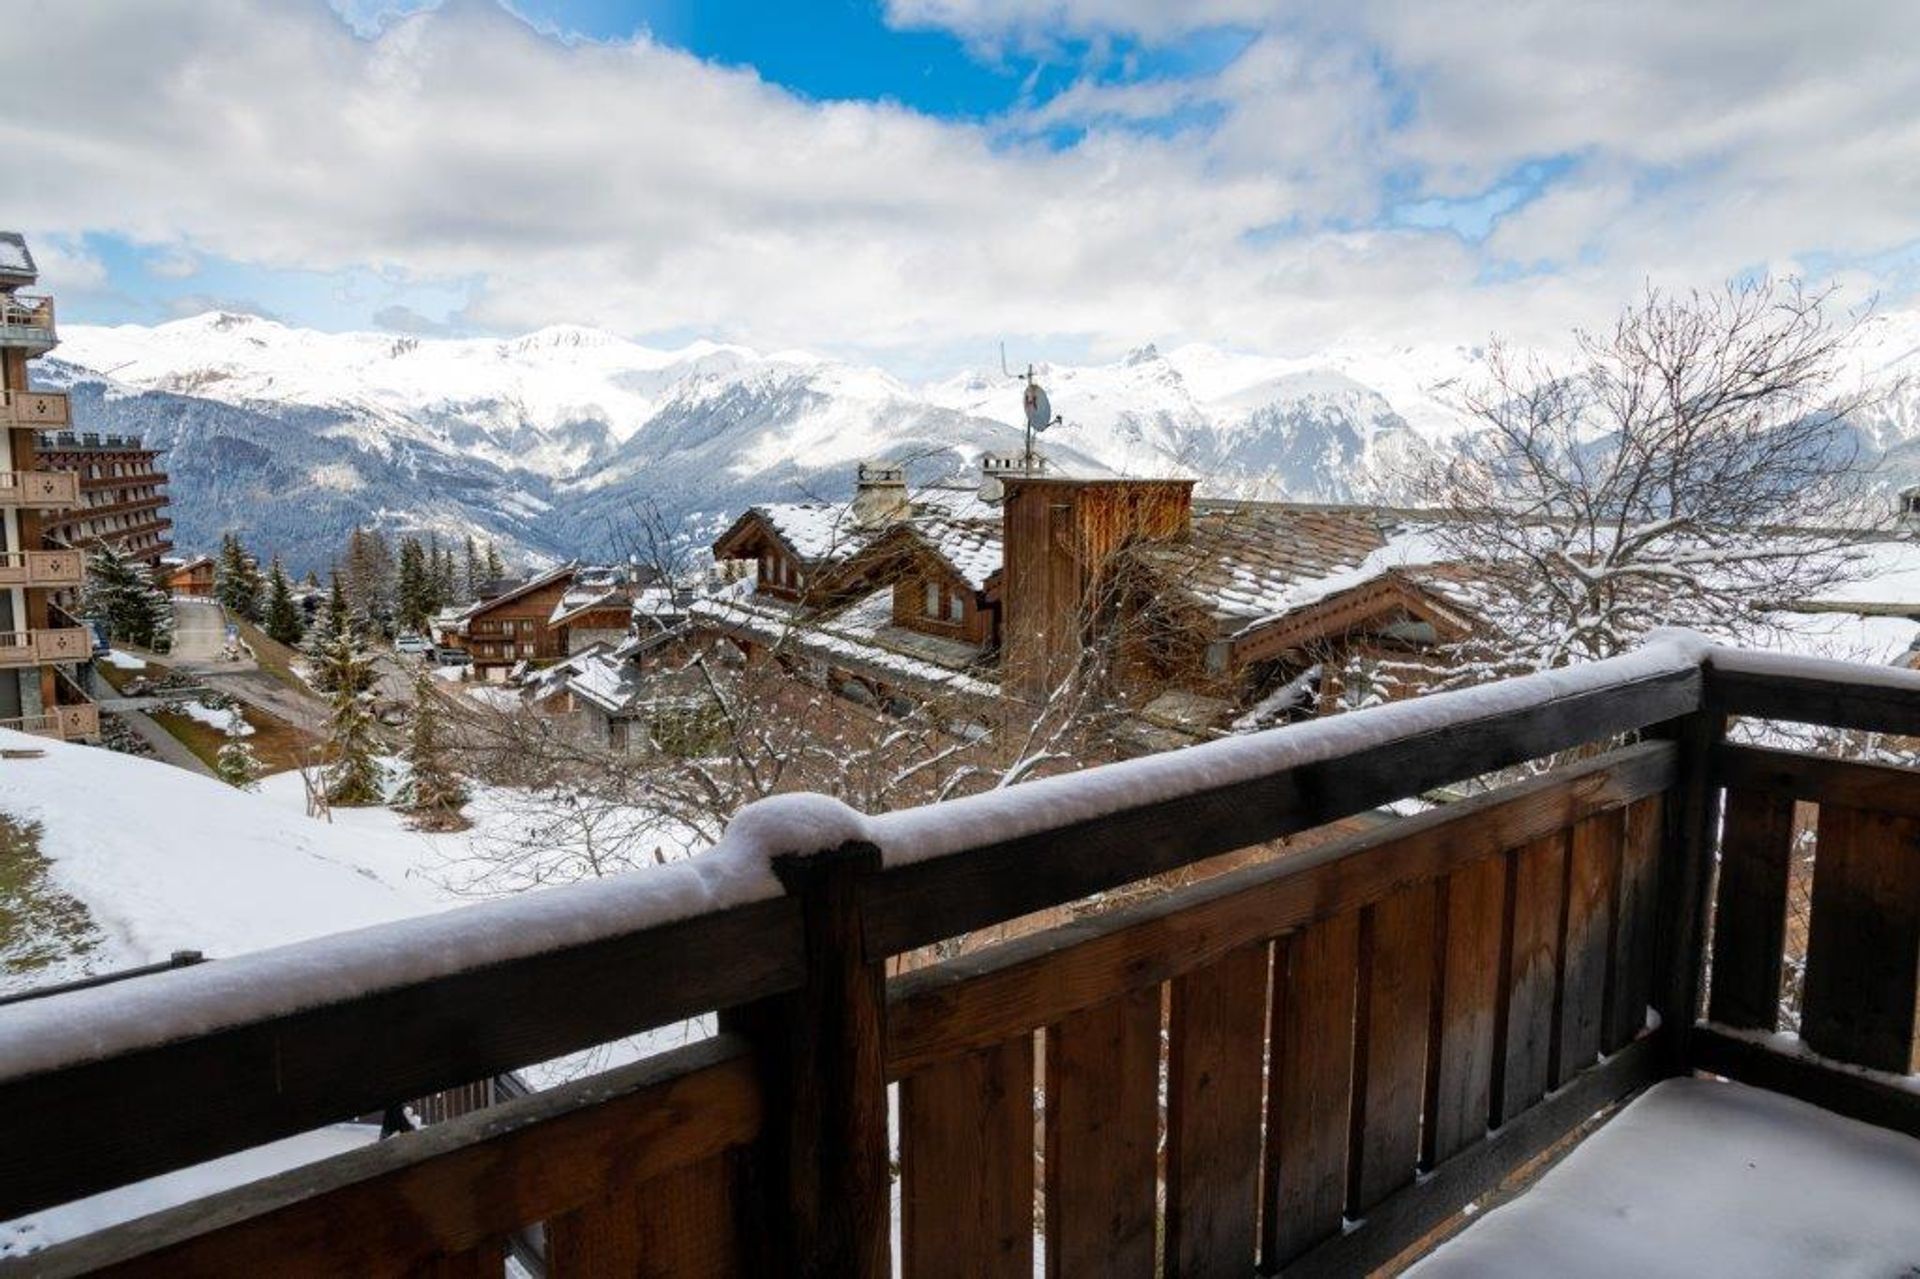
(1538, 880)
(1634, 904)
(1593, 861)
(1215, 1075)
(1393, 1017)
(1311, 1086)
(1863, 946)
(1750, 912)
(1103, 1128)
(681, 1225)
(1467, 1004)
(1690, 826)
(966, 1165)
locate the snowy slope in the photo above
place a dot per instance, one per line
(547, 441)
(164, 859)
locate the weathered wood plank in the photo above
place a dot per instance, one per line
(1829, 698)
(1593, 859)
(985, 997)
(487, 1261)
(1311, 1087)
(107, 1122)
(463, 1182)
(1465, 1038)
(1103, 1136)
(1689, 836)
(966, 1165)
(1635, 908)
(1820, 779)
(681, 1225)
(1215, 1083)
(1863, 947)
(1415, 1212)
(1536, 885)
(1750, 920)
(1864, 1097)
(1393, 1017)
(919, 903)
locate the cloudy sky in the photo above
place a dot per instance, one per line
(912, 181)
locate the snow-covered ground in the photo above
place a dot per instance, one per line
(220, 719)
(1702, 1177)
(123, 661)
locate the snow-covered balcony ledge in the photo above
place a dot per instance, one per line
(1455, 991)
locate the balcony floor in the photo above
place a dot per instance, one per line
(1698, 1177)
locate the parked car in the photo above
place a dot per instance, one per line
(446, 656)
(408, 642)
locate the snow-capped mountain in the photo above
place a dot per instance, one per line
(551, 440)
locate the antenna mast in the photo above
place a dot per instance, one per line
(1039, 410)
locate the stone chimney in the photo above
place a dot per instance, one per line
(879, 494)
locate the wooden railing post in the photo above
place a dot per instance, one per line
(1686, 871)
(823, 1181)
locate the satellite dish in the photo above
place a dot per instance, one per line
(1039, 409)
(992, 491)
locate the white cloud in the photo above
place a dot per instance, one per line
(634, 186)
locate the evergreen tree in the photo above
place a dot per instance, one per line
(434, 793)
(369, 577)
(283, 620)
(494, 571)
(414, 598)
(120, 594)
(354, 777)
(236, 579)
(236, 763)
(334, 621)
(473, 568)
(445, 591)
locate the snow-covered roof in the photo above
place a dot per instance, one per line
(579, 599)
(973, 547)
(1248, 561)
(850, 638)
(535, 583)
(16, 261)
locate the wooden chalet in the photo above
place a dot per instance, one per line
(192, 577)
(515, 625)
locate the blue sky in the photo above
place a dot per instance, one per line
(913, 180)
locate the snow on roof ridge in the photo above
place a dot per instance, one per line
(83, 1025)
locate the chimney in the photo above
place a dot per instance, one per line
(1061, 537)
(879, 494)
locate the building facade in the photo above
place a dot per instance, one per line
(122, 494)
(39, 642)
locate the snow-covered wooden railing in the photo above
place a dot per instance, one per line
(1433, 1001)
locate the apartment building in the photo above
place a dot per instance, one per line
(39, 642)
(122, 494)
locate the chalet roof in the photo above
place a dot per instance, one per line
(828, 532)
(579, 599)
(548, 578)
(973, 548)
(16, 261)
(1245, 562)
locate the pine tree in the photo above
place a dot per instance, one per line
(283, 621)
(494, 571)
(473, 568)
(413, 599)
(355, 777)
(334, 622)
(434, 793)
(236, 763)
(444, 590)
(120, 594)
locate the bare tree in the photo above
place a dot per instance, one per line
(1687, 467)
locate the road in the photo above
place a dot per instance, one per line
(199, 648)
(199, 634)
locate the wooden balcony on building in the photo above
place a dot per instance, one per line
(39, 490)
(41, 410)
(79, 723)
(27, 322)
(1307, 1064)
(42, 568)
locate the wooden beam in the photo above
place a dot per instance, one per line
(451, 1187)
(1819, 779)
(1874, 706)
(910, 906)
(982, 998)
(1824, 1084)
(104, 1123)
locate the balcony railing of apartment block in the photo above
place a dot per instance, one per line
(39, 490)
(64, 567)
(1357, 1038)
(37, 409)
(27, 321)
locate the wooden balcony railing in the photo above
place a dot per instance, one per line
(27, 322)
(42, 568)
(78, 723)
(41, 410)
(39, 490)
(36, 648)
(1358, 1038)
